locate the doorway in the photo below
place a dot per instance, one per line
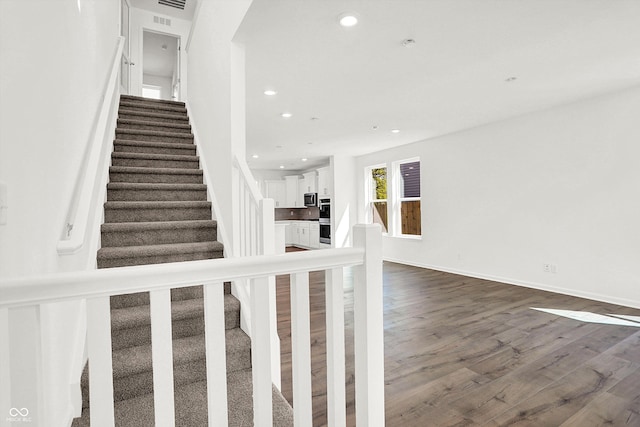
(160, 66)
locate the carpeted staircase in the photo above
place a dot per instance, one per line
(157, 212)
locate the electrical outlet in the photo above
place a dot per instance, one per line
(546, 268)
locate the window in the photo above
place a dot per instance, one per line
(151, 91)
(377, 196)
(407, 208)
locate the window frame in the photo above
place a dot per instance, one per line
(370, 196)
(396, 208)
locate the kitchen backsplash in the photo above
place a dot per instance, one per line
(296, 214)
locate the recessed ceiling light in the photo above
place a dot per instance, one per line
(304, 159)
(164, 47)
(347, 20)
(315, 118)
(374, 128)
(510, 79)
(255, 156)
(395, 130)
(408, 42)
(281, 166)
(278, 146)
(270, 92)
(286, 115)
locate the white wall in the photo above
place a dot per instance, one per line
(55, 62)
(558, 186)
(215, 106)
(143, 20)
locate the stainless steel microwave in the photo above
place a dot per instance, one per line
(311, 199)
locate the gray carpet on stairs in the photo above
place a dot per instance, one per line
(157, 212)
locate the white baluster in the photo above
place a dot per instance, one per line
(336, 399)
(100, 363)
(261, 352)
(216, 354)
(301, 350)
(162, 357)
(369, 327)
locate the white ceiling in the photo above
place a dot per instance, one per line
(453, 78)
(156, 60)
(153, 6)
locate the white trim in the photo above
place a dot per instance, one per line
(533, 285)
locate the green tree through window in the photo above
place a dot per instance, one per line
(379, 176)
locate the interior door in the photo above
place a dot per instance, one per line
(125, 62)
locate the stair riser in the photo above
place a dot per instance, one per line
(180, 119)
(187, 139)
(181, 151)
(153, 107)
(145, 215)
(158, 237)
(156, 195)
(155, 178)
(177, 294)
(154, 126)
(155, 163)
(159, 259)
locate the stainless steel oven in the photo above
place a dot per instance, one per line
(325, 232)
(325, 220)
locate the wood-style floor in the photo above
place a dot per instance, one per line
(461, 351)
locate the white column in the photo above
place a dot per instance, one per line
(369, 327)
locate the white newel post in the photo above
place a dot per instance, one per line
(369, 327)
(100, 364)
(336, 394)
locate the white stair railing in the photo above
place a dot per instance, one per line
(96, 286)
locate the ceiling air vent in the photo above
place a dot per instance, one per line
(162, 21)
(178, 4)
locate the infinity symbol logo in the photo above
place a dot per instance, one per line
(14, 412)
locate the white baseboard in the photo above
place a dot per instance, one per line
(533, 285)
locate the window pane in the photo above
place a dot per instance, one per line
(379, 214)
(379, 183)
(410, 214)
(410, 179)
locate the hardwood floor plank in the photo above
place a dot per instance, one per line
(461, 351)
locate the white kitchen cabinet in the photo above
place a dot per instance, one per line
(310, 185)
(303, 233)
(293, 198)
(325, 182)
(314, 235)
(277, 191)
(288, 239)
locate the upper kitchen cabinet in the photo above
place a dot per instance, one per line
(293, 196)
(325, 182)
(277, 191)
(309, 184)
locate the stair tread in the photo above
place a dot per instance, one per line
(130, 317)
(134, 360)
(154, 144)
(155, 204)
(155, 250)
(153, 100)
(165, 171)
(153, 106)
(154, 123)
(151, 156)
(157, 225)
(154, 186)
(181, 135)
(153, 114)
